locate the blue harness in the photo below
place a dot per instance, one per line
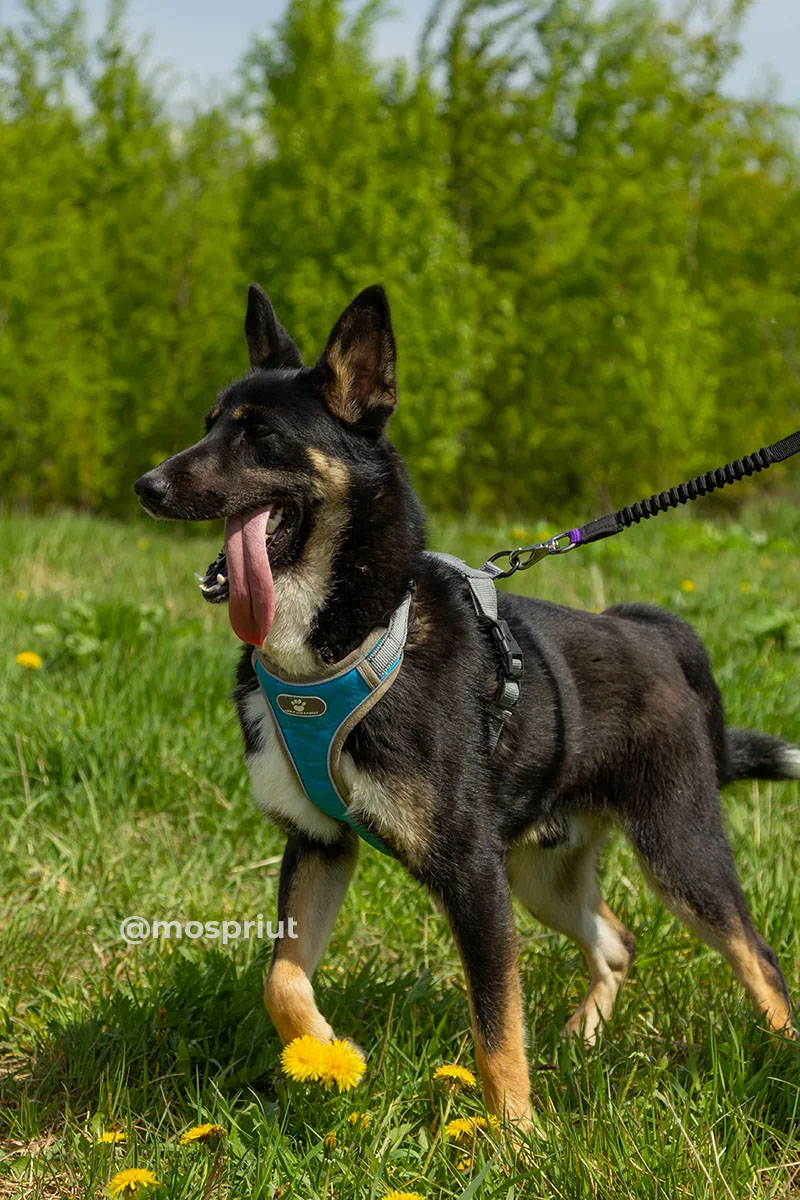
(313, 718)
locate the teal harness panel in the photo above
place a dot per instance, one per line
(309, 716)
(313, 718)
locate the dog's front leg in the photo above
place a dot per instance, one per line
(478, 906)
(313, 881)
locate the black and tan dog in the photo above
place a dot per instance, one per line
(619, 720)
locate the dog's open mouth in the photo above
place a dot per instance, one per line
(242, 571)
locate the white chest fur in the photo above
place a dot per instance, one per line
(392, 812)
(275, 784)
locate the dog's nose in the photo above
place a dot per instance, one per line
(151, 488)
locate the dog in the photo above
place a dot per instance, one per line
(619, 720)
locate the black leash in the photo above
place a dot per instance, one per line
(603, 527)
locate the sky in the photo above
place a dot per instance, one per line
(203, 40)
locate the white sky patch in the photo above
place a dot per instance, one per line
(203, 41)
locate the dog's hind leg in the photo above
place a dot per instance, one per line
(478, 907)
(559, 887)
(687, 861)
(313, 882)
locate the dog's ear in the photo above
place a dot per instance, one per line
(356, 370)
(268, 342)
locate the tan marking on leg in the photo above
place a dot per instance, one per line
(763, 982)
(740, 948)
(317, 891)
(503, 1067)
(289, 998)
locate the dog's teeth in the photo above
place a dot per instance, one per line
(220, 579)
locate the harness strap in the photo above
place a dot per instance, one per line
(391, 645)
(483, 593)
(313, 717)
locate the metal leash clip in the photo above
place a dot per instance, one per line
(527, 556)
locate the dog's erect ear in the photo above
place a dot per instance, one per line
(268, 342)
(356, 370)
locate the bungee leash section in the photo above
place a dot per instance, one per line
(524, 557)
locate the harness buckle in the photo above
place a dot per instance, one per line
(508, 648)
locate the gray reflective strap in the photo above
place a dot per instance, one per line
(484, 599)
(391, 646)
(481, 586)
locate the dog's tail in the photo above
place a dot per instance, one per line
(751, 755)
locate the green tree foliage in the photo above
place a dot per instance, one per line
(591, 250)
(352, 188)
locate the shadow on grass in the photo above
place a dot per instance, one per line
(184, 1029)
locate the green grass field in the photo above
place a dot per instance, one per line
(123, 790)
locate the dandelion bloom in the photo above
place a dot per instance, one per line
(202, 1133)
(130, 1181)
(301, 1060)
(464, 1165)
(29, 659)
(341, 1065)
(687, 585)
(463, 1128)
(403, 1196)
(329, 1142)
(337, 1062)
(454, 1075)
(111, 1136)
(365, 1119)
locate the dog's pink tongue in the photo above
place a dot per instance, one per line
(252, 593)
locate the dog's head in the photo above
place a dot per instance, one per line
(284, 447)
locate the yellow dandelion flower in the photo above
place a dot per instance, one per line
(302, 1059)
(464, 1165)
(341, 1065)
(130, 1181)
(142, 544)
(364, 1118)
(463, 1128)
(110, 1136)
(687, 585)
(457, 1077)
(29, 659)
(202, 1133)
(336, 1062)
(403, 1196)
(518, 532)
(19, 594)
(329, 1142)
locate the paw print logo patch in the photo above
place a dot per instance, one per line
(301, 706)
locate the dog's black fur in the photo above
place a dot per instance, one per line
(619, 719)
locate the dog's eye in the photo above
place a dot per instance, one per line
(261, 436)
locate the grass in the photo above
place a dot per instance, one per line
(123, 790)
